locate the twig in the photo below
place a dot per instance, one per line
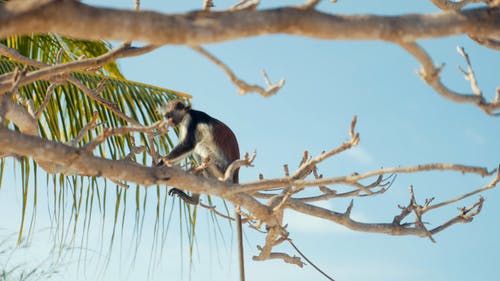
(309, 261)
(136, 150)
(108, 132)
(430, 74)
(94, 95)
(16, 56)
(89, 126)
(214, 210)
(46, 100)
(492, 184)
(244, 88)
(469, 74)
(49, 72)
(307, 166)
(231, 169)
(119, 183)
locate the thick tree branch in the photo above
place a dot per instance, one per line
(72, 18)
(86, 164)
(271, 213)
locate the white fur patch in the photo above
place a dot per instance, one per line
(206, 147)
(183, 127)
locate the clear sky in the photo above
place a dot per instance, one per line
(401, 120)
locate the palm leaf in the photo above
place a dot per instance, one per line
(68, 111)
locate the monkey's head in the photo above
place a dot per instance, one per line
(174, 111)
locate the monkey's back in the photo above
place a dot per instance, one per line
(223, 138)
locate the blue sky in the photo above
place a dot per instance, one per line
(401, 120)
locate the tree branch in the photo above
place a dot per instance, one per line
(430, 74)
(72, 18)
(244, 88)
(49, 72)
(455, 5)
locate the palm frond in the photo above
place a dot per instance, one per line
(53, 49)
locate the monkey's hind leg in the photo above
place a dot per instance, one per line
(194, 199)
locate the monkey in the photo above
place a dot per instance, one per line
(204, 137)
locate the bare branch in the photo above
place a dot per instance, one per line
(231, 169)
(51, 72)
(281, 256)
(284, 182)
(136, 150)
(466, 215)
(430, 74)
(16, 56)
(90, 126)
(492, 184)
(244, 88)
(94, 95)
(487, 42)
(46, 100)
(214, 210)
(307, 166)
(108, 132)
(198, 28)
(455, 5)
(124, 171)
(469, 74)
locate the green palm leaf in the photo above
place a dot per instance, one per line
(69, 110)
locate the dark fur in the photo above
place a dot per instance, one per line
(222, 136)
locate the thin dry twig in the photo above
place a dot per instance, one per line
(108, 132)
(94, 95)
(244, 88)
(54, 72)
(431, 76)
(469, 73)
(134, 149)
(231, 169)
(46, 100)
(89, 126)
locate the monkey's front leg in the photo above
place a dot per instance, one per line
(193, 200)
